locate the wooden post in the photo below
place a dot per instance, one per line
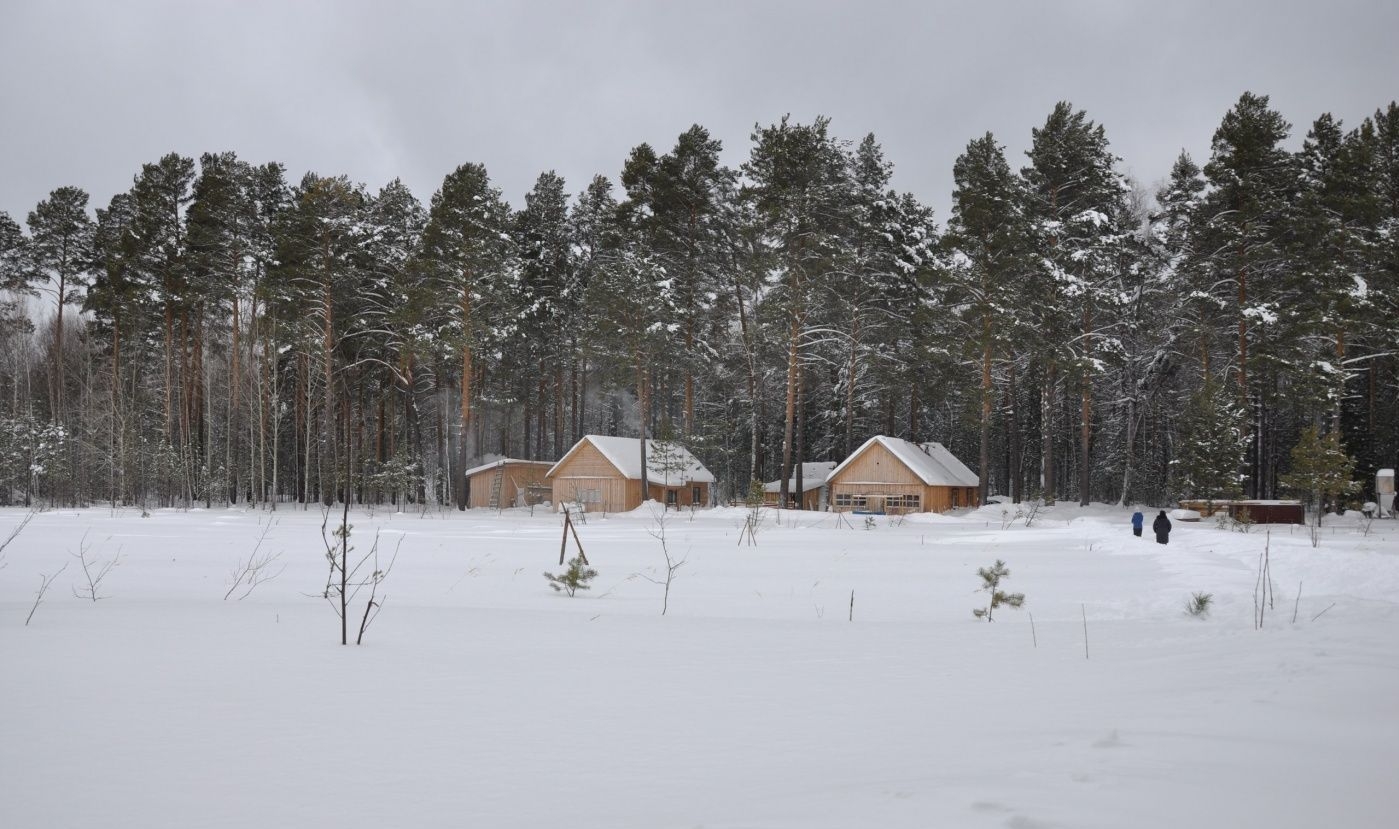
(563, 542)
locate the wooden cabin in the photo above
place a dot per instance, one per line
(895, 476)
(603, 474)
(507, 482)
(813, 487)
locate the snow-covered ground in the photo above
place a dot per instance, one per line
(482, 698)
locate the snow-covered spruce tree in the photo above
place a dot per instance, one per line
(575, 578)
(60, 250)
(1242, 221)
(465, 254)
(801, 192)
(1320, 470)
(685, 190)
(1076, 202)
(1332, 221)
(991, 578)
(320, 272)
(1376, 412)
(988, 237)
(879, 319)
(546, 293)
(15, 272)
(1210, 451)
(397, 299)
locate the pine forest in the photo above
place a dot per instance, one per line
(222, 333)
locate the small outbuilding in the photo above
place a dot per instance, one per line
(1252, 511)
(507, 482)
(813, 487)
(603, 474)
(896, 476)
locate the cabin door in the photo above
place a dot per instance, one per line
(874, 503)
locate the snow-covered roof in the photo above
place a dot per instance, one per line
(813, 477)
(931, 462)
(625, 454)
(502, 462)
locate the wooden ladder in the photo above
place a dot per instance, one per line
(495, 486)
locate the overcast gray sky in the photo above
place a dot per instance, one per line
(91, 90)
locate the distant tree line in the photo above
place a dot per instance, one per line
(217, 334)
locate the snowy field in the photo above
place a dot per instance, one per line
(481, 698)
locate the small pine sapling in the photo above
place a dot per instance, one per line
(575, 578)
(754, 519)
(1198, 605)
(991, 583)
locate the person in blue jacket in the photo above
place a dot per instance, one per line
(1137, 520)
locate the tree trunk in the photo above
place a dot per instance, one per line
(234, 382)
(558, 412)
(643, 406)
(1131, 430)
(984, 453)
(328, 429)
(1047, 470)
(851, 368)
(801, 439)
(789, 420)
(57, 398)
(464, 425)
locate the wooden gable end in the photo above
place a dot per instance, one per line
(586, 476)
(877, 464)
(585, 461)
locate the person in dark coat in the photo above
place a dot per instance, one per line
(1137, 520)
(1162, 527)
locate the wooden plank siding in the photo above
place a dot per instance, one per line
(588, 476)
(811, 500)
(876, 475)
(517, 476)
(684, 495)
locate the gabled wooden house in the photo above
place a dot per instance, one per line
(507, 482)
(895, 476)
(813, 487)
(604, 475)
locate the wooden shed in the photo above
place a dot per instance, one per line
(813, 487)
(507, 482)
(895, 476)
(1258, 512)
(604, 475)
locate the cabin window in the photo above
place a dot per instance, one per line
(672, 497)
(956, 496)
(695, 497)
(845, 499)
(902, 503)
